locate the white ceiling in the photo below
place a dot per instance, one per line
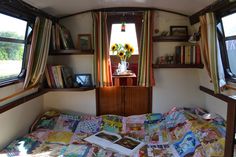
(66, 7)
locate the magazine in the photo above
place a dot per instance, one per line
(112, 141)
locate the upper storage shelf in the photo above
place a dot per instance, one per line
(170, 38)
(71, 52)
(158, 66)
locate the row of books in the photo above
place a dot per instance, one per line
(59, 76)
(60, 38)
(188, 54)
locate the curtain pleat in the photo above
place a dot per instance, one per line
(38, 54)
(210, 49)
(145, 71)
(103, 73)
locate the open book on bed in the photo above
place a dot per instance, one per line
(113, 141)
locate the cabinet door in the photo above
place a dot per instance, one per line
(109, 101)
(138, 100)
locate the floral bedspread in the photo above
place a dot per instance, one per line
(180, 132)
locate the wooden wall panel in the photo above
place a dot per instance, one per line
(137, 100)
(109, 101)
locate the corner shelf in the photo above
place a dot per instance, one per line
(69, 89)
(170, 38)
(71, 52)
(158, 66)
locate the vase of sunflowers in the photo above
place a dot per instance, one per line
(123, 52)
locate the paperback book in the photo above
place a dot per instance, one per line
(112, 141)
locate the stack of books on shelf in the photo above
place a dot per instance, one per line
(61, 38)
(188, 54)
(59, 76)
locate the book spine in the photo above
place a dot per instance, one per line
(191, 54)
(194, 54)
(178, 54)
(198, 55)
(55, 76)
(51, 76)
(182, 54)
(57, 36)
(60, 76)
(48, 78)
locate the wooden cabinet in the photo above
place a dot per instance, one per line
(124, 100)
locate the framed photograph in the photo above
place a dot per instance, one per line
(83, 80)
(178, 30)
(84, 42)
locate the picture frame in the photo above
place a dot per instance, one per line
(179, 30)
(83, 80)
(84, 42)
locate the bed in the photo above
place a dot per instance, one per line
(179, 132)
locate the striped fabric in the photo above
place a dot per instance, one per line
(209, 50)
(38, 53)
(145, 71)
(103, 74)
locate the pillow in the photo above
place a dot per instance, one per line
(112, 123)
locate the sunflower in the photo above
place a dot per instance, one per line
(114, 47)
(127, 46)
(131, 49)
(121, 54)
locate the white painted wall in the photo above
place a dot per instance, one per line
(78, 102)
(212, 104)
(16, 122)
(174, 87)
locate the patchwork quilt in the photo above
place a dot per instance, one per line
(181, 132)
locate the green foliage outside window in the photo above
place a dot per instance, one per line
(10, 50)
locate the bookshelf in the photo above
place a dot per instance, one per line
(69, 89)
(170, 38)
(71, 52)
(159, 66)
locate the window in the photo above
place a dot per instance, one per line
(12, 44)
(128, 36)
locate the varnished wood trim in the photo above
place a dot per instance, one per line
(230, 128)
(219, 8)
(219, 96)
(10, 82)
(123, 9)
(69, 89)
(22, 100)
(158, 66)
(12, 40)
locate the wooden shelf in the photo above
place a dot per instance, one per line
(71, 52)
(70, 89)
(170, 38)
(157, 66)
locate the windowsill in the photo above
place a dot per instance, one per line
(10, 82)
(226, 96)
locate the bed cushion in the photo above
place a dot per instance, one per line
(60, 134)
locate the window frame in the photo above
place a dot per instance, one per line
(229, 76)
(128, 17)
(21, 75)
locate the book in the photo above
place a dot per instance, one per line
(158, 150)
(59, 74)
(48, 78)
(66, 38)
(67, 75)
(112, 141)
